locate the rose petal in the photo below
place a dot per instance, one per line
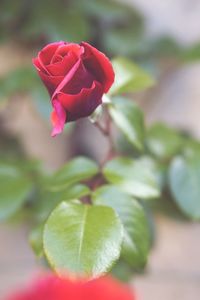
(58, 118)
(36, 63)
(99, 65)
(64, 49)
(46, 54)
(80, 79)
(44, 57)
(65, 80)
(76, 79)
(51, 82)
(56, 59)
(40, 66)
(82, 104)
(62, 67)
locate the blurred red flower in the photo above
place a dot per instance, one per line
(76, 77)
(55, 288)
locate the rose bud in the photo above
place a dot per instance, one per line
(55, 288)
(76, 77)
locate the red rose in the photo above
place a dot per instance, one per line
(55, 288)
(76, 77)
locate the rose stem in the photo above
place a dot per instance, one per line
(106, 131)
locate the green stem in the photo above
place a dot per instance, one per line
(106, 131)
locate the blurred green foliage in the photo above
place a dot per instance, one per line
(159, 169)
(113, 27)
(69, 20)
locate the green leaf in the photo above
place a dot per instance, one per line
(15, 188)
(129, 118)
(49, 200)
(78, 169)
(163, 142)
(184, 181)
(129, 77)
(35, 240)
(136, 243)
(82, 239)
(132, 176)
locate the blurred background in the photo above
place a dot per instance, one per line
(161, 36)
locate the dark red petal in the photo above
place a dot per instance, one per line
(65, 80)
(80, 79)
(70, 47)
(44, 57)
(40, 66)
(82, 104)
(99, 65)
(56, 59)
(51, 82)
(61, 68)
(46, 54)
(58, 118)
(76, 79)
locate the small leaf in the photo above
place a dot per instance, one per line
(95, 116)
(133, 177)
(78, 169)
(163, 142)
(15, 188)
(136, 243)
(184, 181)
(129, 118)
(82, 239)
(122, 271)
(129, 77)
(35, 240)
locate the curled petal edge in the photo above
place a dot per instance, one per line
(58, 118)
